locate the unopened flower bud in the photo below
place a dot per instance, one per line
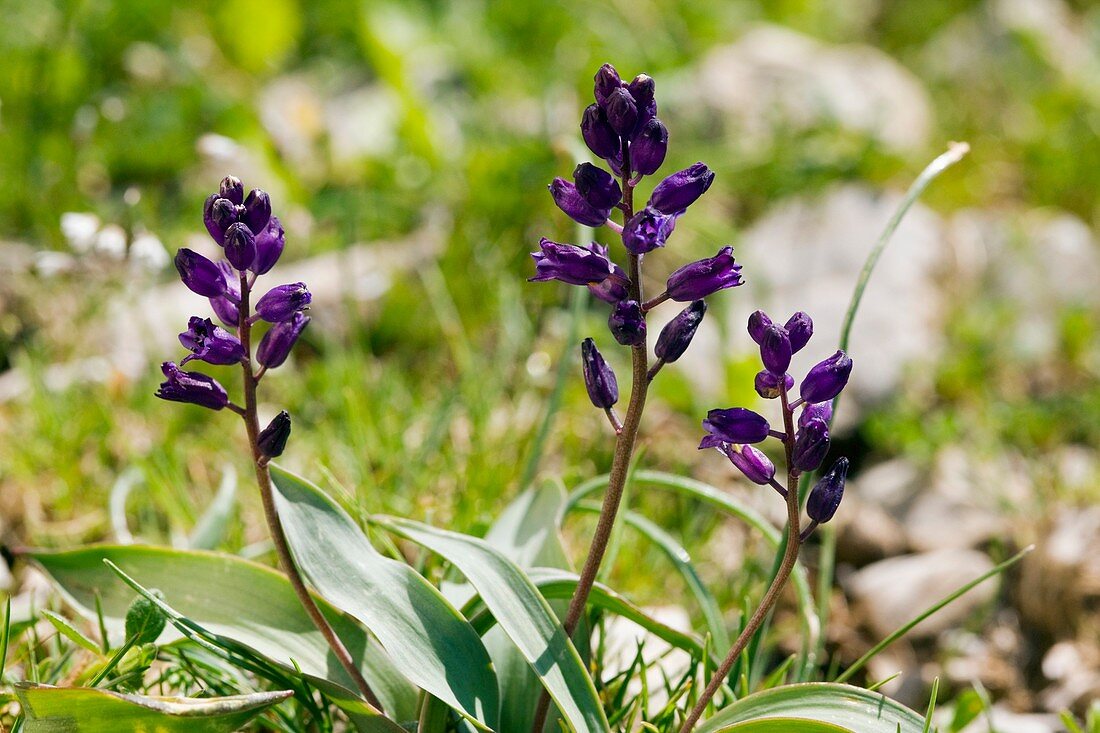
(277, 343)
(827, 378)
(811, 444)
(775, 349)
(751, 461)
(734, 425)
(217, 232)
(647, 230)
(575, 265)
(800, 327)
(677, 333)
(758, 324)
(200, 275)
(240, 246)
(226, 305)
(643, 89)
(569, 200)
(231, 188)
(210, 343)
(272, 439)
(598, 134)
(225, 214)
(599, 380)
(702, 278)
(282, 302)
(767, 384)
(622, 112)
(269, 246)
(144, 619)
(257, 210)
(627, 323)
(598, 187)
(816, 411)
(607, 80)
(647, 152)
(680, 190)
(192, 387)
(826, 494)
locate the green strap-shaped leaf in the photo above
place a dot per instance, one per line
(785, 725)
(427, 639)
(850, 708)
(88, 710)
(523, 614)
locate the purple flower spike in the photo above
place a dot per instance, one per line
(282, 302)
(627, 323)
(199, 274)
(570, 200)
(827, 378)
(240, 246)
(210, 343)
(598, 134)
(192, 387)
(231, 188)
(680, 190)
(622, 112)
(277, 343)
(647, 152)
(647, 230)
(767, 384)
(775, 349)
(257, 210)
(678, 333)
(603, 388)
(734, 425)
(607, 80)
(826, 494)
(269, 246)
(758, 324)
(272, 439)
(800, 327)
(598, 187)
(700, 279)
(811, 444)
(575, 265)
(816, 411)
(751, 461)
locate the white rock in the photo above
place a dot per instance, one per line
(1003, 720)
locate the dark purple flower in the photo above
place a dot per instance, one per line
(751, 461)
(607, 80)
(276, 344)
(257, 210)
(240, 246)
(575, 265)
(734, 425)
(199, 274)
(269, 246)
(226, 305)
(827, 378)
(599, 380)
(677, 333)
(192, 387)
(642, 89)
(680, 190)
(816, 411)
(647, 230)
(272, 439)
(217, 232)
(800, 327)
(569, 200)
(811, 444)
(231, 188)
(611, 290)
(627, 323)
(826, 494)
(647, 152)
(210, 343)
(758, 324)
(775, 349)
(767, 384)
(622, 112)
(282, 302)
(224, 214)
(598, 134)
(699, 279)
(598, 187)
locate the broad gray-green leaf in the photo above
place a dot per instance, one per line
(851, 708)
(785, 725)
(250, 604)
(523, 614)
(427, 639)
(88, 710)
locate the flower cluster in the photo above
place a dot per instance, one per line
(736, 430)
(252, 240)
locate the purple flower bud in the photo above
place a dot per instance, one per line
(575, 265)
(217, 232)
(257, 210)
(272, 439)
(816, 411)
(199, 274)
(607, 80)
(642, 90)
(225, 214)
(598, 134)
(240, 246)
(677, 334)
(192, 387)
(800, 327)
(226, 306)
(827, 378)
(767, 384)
(627, 323)
(734, 425)
(758, 324)
(603, 389)
(775, 349)
(751, 461)
(811, 444)
(622, 112)
(826, 494)
(612, 289)
(226, 310)
(680, 190)
(282, 302)
(647, 152)
(699, 279)
(231, 188)
(647, 230)
(569, 200)
(210, 343)
(269, 246)
(598, 187)
(276, 344)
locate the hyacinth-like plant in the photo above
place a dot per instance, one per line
(622, 129)
(252, 239)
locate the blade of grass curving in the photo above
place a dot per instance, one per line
(5, 633)
(931, 705)
(116, 503)
(523, 614)
(904, 628)
(70, 632)
(427, 639)
(210, 530)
